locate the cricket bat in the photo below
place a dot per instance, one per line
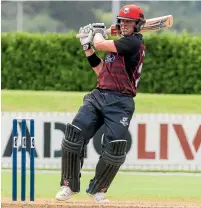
(152, 24)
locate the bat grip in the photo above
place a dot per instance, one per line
(83, 35)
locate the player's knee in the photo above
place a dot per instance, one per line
(119, 134)
(115, 152)
(73, 139)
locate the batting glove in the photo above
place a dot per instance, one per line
(86, 41)
(100, 28)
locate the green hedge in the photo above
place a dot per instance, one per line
(57, 62)
(172, 64)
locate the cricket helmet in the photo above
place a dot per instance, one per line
(131, 12)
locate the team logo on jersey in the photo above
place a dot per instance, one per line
(109, 58)
(126, 10)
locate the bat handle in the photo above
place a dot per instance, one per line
(109, 31)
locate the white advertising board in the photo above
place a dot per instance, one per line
(155, 141)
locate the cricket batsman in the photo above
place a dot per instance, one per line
(110, 104)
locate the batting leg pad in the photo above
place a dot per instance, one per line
(72, 148)
(113, 156)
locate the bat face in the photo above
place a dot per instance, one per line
(158, 23)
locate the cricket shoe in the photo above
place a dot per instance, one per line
(99, 197)
(65, 193)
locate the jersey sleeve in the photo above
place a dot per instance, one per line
(127, 45)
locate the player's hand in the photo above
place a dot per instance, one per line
(85, 29)
(100, 28)
(86, 41)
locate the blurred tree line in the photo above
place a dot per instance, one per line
(64, 16)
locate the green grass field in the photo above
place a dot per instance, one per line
(125, 187)
(47, 101)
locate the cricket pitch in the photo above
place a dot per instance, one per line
(52, 203)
